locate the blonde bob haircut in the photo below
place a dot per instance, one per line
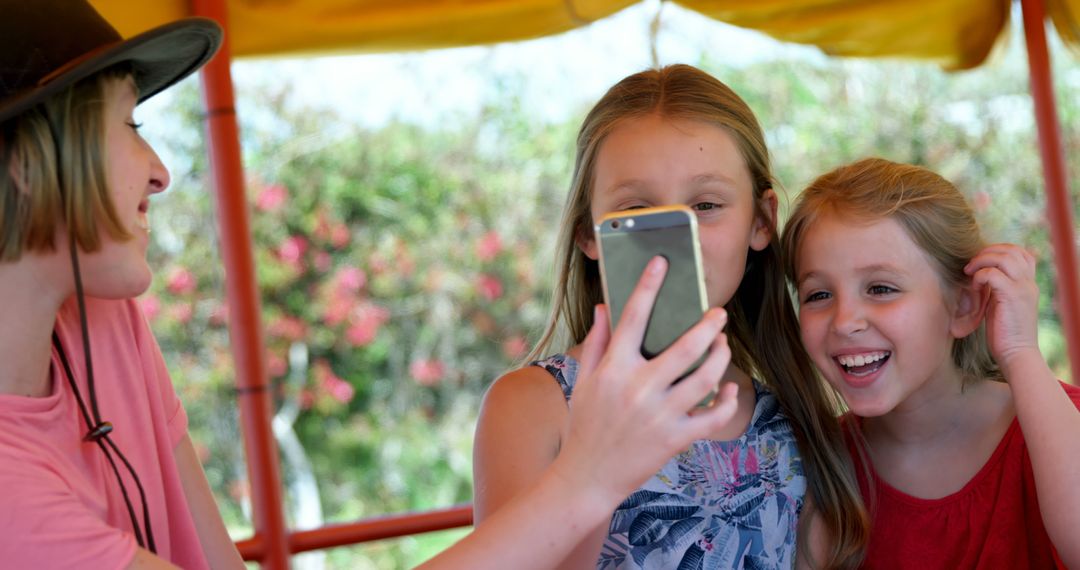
(53, 175)
(933, 213)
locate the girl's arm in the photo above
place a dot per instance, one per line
(518, 436)
(539, 528)
(218, 548)
(625, 421)
(1049, 420)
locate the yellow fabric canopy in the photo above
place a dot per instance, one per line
(957, 34)
(279, 27)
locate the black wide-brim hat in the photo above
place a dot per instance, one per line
(48, 45)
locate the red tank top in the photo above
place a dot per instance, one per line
(993, 522)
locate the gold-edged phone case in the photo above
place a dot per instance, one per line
(628, 239)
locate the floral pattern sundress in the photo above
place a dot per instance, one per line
(718, 505)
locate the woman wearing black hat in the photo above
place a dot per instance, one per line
(96, 467)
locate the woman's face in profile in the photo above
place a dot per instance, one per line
(133, 173)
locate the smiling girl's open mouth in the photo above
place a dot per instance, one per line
(863, 364)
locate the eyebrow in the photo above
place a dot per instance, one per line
(699, 180)
(804, 277)
(872, 268)
(712, 177)
(879, 268)
(625, 186)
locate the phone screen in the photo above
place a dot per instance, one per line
(628, 240)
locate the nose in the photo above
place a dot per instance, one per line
(848, 317)
(159, 174)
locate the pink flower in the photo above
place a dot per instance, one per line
(350, 280)
(151, 306)
(288, 328)
(323, 261)
(181, 313)
(489, 286)
(337, 310)
(339, 389)
(276, 366)
(982, 201)
(292, 250)
(378, 264)
(219, 315)
(361, 334)
(365, 323)
(181, 282)
(271, 198)
(488, 246)
(339, 235)
(515, 347)
(329, 382)
(427, 372)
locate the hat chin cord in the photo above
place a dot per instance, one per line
(98, 430)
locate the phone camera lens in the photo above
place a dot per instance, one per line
(615, 224)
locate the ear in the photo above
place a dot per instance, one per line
(968, 310)
(762, 231)
(585, 238)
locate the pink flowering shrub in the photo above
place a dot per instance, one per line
(427, 372)
(271, 198)
(181, 282)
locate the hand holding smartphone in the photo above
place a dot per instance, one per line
(628, 239)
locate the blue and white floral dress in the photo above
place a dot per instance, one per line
(718, 505)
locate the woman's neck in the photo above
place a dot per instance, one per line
(29, 302)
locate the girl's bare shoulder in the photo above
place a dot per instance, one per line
(524, 395)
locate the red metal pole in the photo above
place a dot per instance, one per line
(367, 530)
(1058, 203)
(381, 528)
(242, 293)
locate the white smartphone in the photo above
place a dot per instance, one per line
(628, 239)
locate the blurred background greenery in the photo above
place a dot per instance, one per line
(404, 265)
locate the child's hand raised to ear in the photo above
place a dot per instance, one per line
(1007, 272)
(1047, 414)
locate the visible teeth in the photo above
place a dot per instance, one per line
(850, 360)
(143, 222)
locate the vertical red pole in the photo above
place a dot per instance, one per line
(1058, 204)
(242, 293)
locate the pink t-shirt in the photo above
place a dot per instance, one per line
(60, 504)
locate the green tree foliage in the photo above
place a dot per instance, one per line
(403, 268)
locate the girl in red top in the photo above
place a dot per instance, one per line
(968, 442)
